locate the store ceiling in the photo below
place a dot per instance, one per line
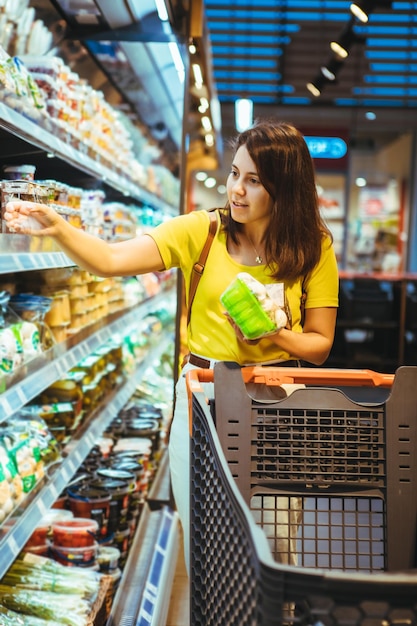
(268, 50)
(265, 50)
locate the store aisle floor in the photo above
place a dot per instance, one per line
(179, 612)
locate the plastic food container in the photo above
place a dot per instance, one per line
(84, 556)
(59, 313)
(19, 172)
(120, 493)
(39, 550)
(108, 558)
(87, 502)
(43, 530)
(78, 532)
(246, 311)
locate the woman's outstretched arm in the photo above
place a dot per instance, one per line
(126, 258)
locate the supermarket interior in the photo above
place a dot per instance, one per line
(121, 116)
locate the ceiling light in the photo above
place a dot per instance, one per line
(338, 48)
(360, 10)
(192, 48)
(315, 86)
(327, 73)
(341, 45)
(370, 115)
(162, 10)
(206, 123)
(204, 105)
(330, 70)
(201, 176)
(177, 58)
(209, 139)
(243, 114)
(360, 181)
(221, 189)
(210, 182)
(198, 76)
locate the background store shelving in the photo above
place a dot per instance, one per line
(24, 141)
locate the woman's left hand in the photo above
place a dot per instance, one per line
(239, 334)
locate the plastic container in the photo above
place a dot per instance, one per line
(120, 492)
(39, 550)
(43, 530)
(78, 532)
(108, 558)
(246, 310)
(86, 502)
(19, 172)
(84, 556)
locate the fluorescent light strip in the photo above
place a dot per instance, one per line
(162, 10)
(198, 76)
(243, 114)
(206, 123)
(178, 62)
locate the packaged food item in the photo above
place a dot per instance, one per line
(23, 190)
(87, 502)
(252, 307)
(19, 172)
(77, 532)
(61, 417)
(74, 556)
(43, 530)
(108, 558)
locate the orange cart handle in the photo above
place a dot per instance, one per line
(276, 376)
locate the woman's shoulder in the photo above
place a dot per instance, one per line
(195, 218)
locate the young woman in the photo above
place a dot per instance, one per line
(270, 228)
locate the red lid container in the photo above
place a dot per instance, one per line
(76, 533)
(84, 556)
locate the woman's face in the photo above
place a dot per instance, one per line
(249, 200)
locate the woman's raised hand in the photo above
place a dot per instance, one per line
(31, 218)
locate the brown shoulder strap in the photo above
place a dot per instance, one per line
(198, 268)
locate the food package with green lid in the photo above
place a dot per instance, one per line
(256, 308)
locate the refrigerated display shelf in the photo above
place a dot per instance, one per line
(49, 489)
(143, 596)
(21, 253)
(24, 128)
(50, 366)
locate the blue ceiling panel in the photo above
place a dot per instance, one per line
(274, 48)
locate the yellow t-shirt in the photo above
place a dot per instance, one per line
(180, 241)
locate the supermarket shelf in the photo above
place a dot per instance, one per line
(26, 129)
(143, 596)
(20, 253)
(49, 367)
(47, 491)
(160, 491)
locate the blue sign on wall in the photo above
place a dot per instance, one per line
(326, 147)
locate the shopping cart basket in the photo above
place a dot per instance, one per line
(351, 469)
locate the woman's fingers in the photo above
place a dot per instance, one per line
(239, 334)
(27, 217)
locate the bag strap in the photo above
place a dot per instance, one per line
(198, 268)
(303, 301)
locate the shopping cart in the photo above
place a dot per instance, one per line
(347, 471)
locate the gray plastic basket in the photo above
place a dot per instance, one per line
(362, 522)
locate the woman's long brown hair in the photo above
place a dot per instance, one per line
(285, 168)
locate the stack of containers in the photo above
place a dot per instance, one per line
(74, 542)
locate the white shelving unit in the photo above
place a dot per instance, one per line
(23, 254)
(23, 128)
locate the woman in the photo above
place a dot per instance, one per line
(271, 228)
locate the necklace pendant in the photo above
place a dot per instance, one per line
(259, 260)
